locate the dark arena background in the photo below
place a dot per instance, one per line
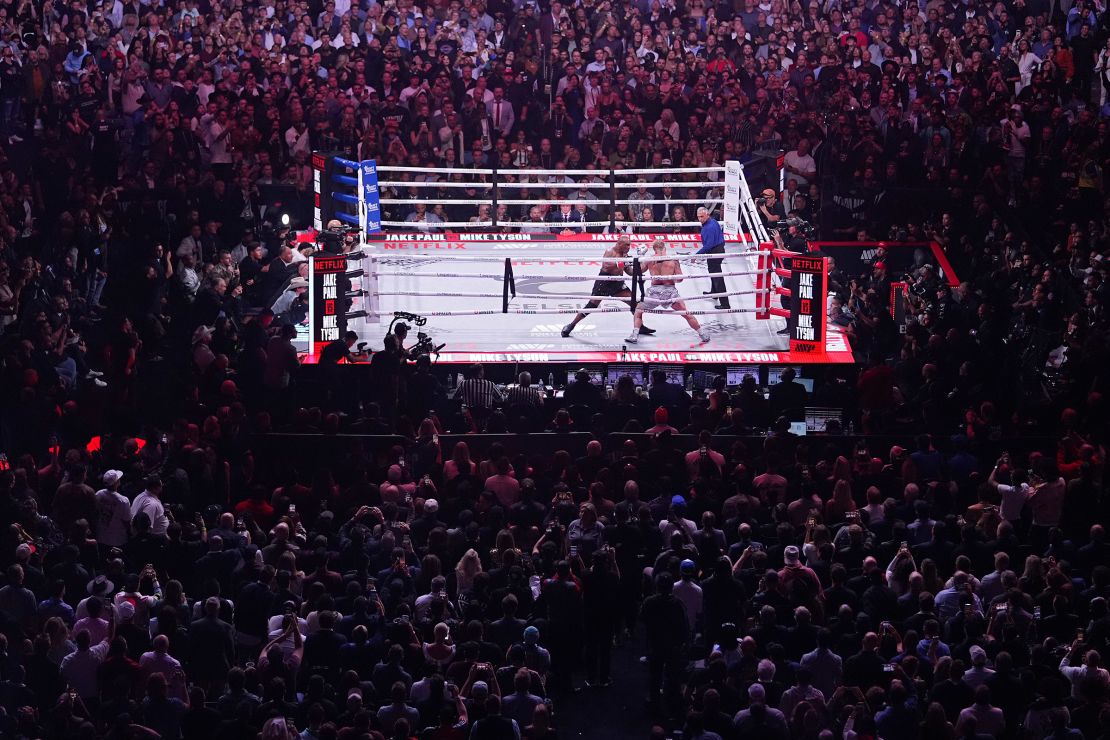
(608, 369)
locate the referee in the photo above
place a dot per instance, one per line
(524, 393)
(477, 392)
(713, 242)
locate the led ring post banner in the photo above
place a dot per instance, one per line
(353, 198)
(808, 296)
(327, 299)
(370, 210)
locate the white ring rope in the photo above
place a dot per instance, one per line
(555, 172)
(427, 226)
(520, 184)
(558, 278)
(547, 227)
(670, 184)
(433, 183)
(672, 170)
(526, 185)
(556, 312)
(552, 258)
(575, 201)
(443, 170)
(558, 296)
(674, 201)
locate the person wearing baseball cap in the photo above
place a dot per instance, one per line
(687, 590)
(676, 520)
(793, 570)
(113, 521)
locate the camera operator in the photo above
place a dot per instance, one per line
(400, 333)
(795, 237)
(771, 211)
(340, 350)
(343, 394)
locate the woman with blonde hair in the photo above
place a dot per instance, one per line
(469, 566)
(441, 650)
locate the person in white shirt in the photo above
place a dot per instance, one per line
(1091, 670)
(676, 521)
(1014, 494)
(216, 139)
(79, 668)
(113, 512)
(687, 590)
(800, 163)
(149, 502)
(159, 660)
(296, 138)
(1015, 137)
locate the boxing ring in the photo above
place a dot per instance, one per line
(505, 292)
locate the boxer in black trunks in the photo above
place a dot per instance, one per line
(610, 288)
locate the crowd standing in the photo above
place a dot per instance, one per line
(168, 575)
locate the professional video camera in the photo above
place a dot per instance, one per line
(805, 228)
(425, 345)
(332, 240)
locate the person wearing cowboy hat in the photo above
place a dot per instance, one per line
(288, 304)
(113, 513)
(203, 356)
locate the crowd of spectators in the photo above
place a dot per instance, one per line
(167, 573)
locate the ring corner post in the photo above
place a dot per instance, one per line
(493, 196)
(763, 283)
(506, 285)
(613, 205)
(637, 280)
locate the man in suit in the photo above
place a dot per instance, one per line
(550, 23)
(501, 112)
(566, 220)
(713, 242)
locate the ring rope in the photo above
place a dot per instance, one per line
(679, 170)
(521, 258)
(551, 296)
(443, 170)
(555, 312)
(674, 201)
(431, 183)
(425, 226)
(556, 278)
(672, 184)
(575, 201)
(529, 184)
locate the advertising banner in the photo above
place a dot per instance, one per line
(368, 186)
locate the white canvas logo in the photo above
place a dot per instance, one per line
(528, 347)
(557, 328)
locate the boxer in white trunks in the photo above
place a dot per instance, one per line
(663, 293)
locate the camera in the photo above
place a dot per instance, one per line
(425, 345)
(332, 240)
